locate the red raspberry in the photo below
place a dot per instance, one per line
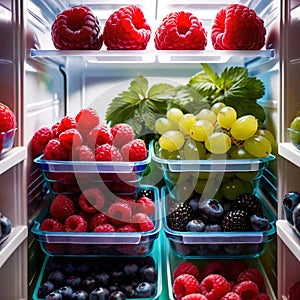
(255, 276)
(83, 153)
(135, 150)
(132, 249)
(66, 123)
(7, 118)
(180, 31)
(231, 296)
(186, 267)
(142, 222)
(264, 296)
(77, 28)
(246, 290)
(294, 291)
(145, 205)
(75, 223)
(55, 248)
(119, 213)
(122, 134)
(76, 249)
(70, 138)
(51, 224)
(185, 284)
(99, 135)
(91, 200)
(234, 268)
(214, 267)
(237, 27)
(126, 29)
(194, 296)
(87, 119)
(54, 130)
(107, 152)
(96, 220)
(105, 228)
(126, 228)
(40, 139)
(55, 151)
(214, 286)
(62, 207)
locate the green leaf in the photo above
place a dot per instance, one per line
(139, 85)
(148, 113)
(161, 92)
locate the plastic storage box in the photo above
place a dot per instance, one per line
(7, 140)
(99, 243)
(220, 244)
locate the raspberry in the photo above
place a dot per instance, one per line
(122, 134)
(107, 152)
(180, 31)
(255, 276)
(234, 268)
(119, 213)
(185, 284)
(214, 267)
(75, 223)
(70, 138)
(145, 205)
(214, 286)
(62, 207)
(76, 249)
(7, 118)
(40, 139)
(105, 228)
(55, 248)
(77, 28)
(126, 29)
(186, 267)
(99, 135)
(97, 219)
(50, 224)
(194, 296)
(237, 27)
(142, 222)
(231, 296)
(135, 150)
(264, 296)
(294, 291)
(126, 228)
(54, 130)
(91, 200)
(83, 153)
(246, 290)
(55, 151)
(66, 123)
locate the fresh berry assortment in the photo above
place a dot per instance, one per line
(291, 206)
(213, 280)
(238, 27)
(94, 279)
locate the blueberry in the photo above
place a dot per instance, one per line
(117, 276)
(57, 277)
(290, 200)
(259, 223)
(213, 228)
(66, 292)
(194, 203)
(117, 295)
(99, 294)
(54, 296)
(102, 279)
(296, 218)
(69, 267)
(210, 210)
(88, 283)
(45, 288)
(80, 295)
(233, 249)
(148, 273)
(255, 248)
(83, 268)
(128, 290)
(201, 249)
(74, 281)
(130, 269)
(5, 225)
(145, 290)
(195, 225)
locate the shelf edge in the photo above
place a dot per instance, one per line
(12, 158)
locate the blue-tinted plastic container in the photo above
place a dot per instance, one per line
(7, 140)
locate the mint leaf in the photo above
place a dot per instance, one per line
(161, 92)
(139, 85)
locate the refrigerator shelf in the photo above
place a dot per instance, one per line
(12, 158)
(290, 152)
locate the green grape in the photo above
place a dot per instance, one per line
(174, 114)
(267, 134)
(248, 188)
(240, 153)
(217, 107)
(258, 146)
(183, 191)
(201, 130)
(218, 143)
(177, 177)
(247, 176)
(163, 125)
(244, 127)
(232, 189)
(226, 116)
(171, 155)
(171, 140)
(186, 122)
(193, 150)
(207, 114)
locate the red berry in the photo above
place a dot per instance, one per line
(119, 213)
(213, 267)
(194, 296)
(231, 296)
(135, 150)
(264, 296)
(126, 228)
(214, 286)
(40, 139)
(70, 138)
(180, 31)
(7, 118)
(122, 134)
(145, 205)
(186, 267)
(55, 151)
(77, 28)
(54, 130)
(185, 284)
(83, 153)
(107, 152)
(66, 123)
(62, 207)
(126, 29)
(105, 228)
(294, 291)
(91, 200)
(99, 135)
(97, 219)
(237, 27)
(87, 119)
(246, 290)
(255, 276)
(142, 222)
(234, 268)
(75, 223)
(50, 224)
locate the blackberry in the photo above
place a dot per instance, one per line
(146, 193)
(249, 203)
(236, 220)
(180, 216)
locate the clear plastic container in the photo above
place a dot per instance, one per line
(99, 243)
(295, 137)
(210, 245)
(7, 140)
